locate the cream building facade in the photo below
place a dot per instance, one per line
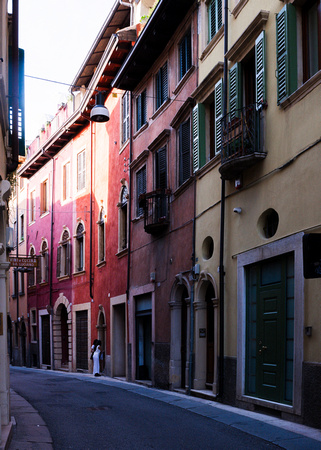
(262, 315)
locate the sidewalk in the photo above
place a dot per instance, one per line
(30, 432)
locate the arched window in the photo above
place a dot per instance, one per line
(31, 274)
(64, 255)
(79, 248)
(123, 219)
(43, 264)
(101, 236)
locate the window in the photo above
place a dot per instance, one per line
(31, 274)
(22, 283)
(43, 264)
(81, 170)
(32, 206)
(214, 17)
(22, 227)
(247, 78)
(66, 181)
(161, 169)
(44, 197)
(185, 55)
(140, 189)
(63, 255)
(311, 38)
(291, 74)
(123, 218)
(33, 324)
(101, 235)
(125, 117)
(141, 109)
(184, 151)
(79, 248)
(14, 282)
(161, 86)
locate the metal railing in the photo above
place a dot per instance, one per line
(156, 209)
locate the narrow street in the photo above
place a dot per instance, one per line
(90, 413)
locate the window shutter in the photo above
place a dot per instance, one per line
(58, 261)
(140, 187)
(214, 17)
(218, 114)
(139, 111)
(164, 83)
(184, 152)
(46, 256)
(260, 86)
(144, 107)
(235, 89)
(161, 169)
(219, 14)
(38, 271)
(158, 89)
(286, 52)
(68, 258)
(199, 148)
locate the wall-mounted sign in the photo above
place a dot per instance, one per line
(20, 261)
(202, 332)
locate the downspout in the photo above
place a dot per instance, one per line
(129, 221)
(131, 6)
(11, 167)
(191, 350)
(222, 226)
(51, 259)
(91, 280)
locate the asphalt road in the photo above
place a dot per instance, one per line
(83, 414)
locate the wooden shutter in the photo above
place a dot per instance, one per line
(38, 271)
(161, 169)
(58, 261)
(286, 52)
(140, 187)
(144, 107)
(184, 152)
(218, 114)
(215, 17)
(199, 143)
(46, 274)
(81, 170)
(139, 111)
(68, 258)
(234, 89)
(158, 89)
(260, 88)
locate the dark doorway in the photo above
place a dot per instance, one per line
(64, 336)
(143, 338)
(210, 295)
(45, 340)
(23, 339)
(183, 338)
(82, 340)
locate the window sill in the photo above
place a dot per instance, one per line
(123, 146)
(79, 272)
(214, 41)
(43, 283)
(182, 188)
(238, 8)
(137, 219)
(63, 277)
(142, 128)
(101, 264)
(302, 91)
(122, 253)
(44, 214)
(161, 108)
(183, 80)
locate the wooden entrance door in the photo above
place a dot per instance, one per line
(45, 339)
(82, 340)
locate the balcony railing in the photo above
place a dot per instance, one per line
(156, 210)
(242, 144)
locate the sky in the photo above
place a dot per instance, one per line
(56, 36)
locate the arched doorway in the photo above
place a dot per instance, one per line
(180, 333)
(209, 336)
(62, 333)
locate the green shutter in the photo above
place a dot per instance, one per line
(218, 114)
(199, 148)
(214, 17)
(260, 86)
(286, 52)
(235, 92)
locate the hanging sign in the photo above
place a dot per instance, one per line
(19, 261)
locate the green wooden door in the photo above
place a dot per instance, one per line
(270, 329)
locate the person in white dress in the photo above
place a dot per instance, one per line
(96, 359)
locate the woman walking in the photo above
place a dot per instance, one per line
(96, 359)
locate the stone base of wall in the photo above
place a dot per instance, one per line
(161, 365)
(311, 394)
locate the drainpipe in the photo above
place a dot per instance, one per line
(51, 259)
(191, 350)
(129, 219)
(222, 230)
(11, 167)
(131, 6)
(91, 280)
